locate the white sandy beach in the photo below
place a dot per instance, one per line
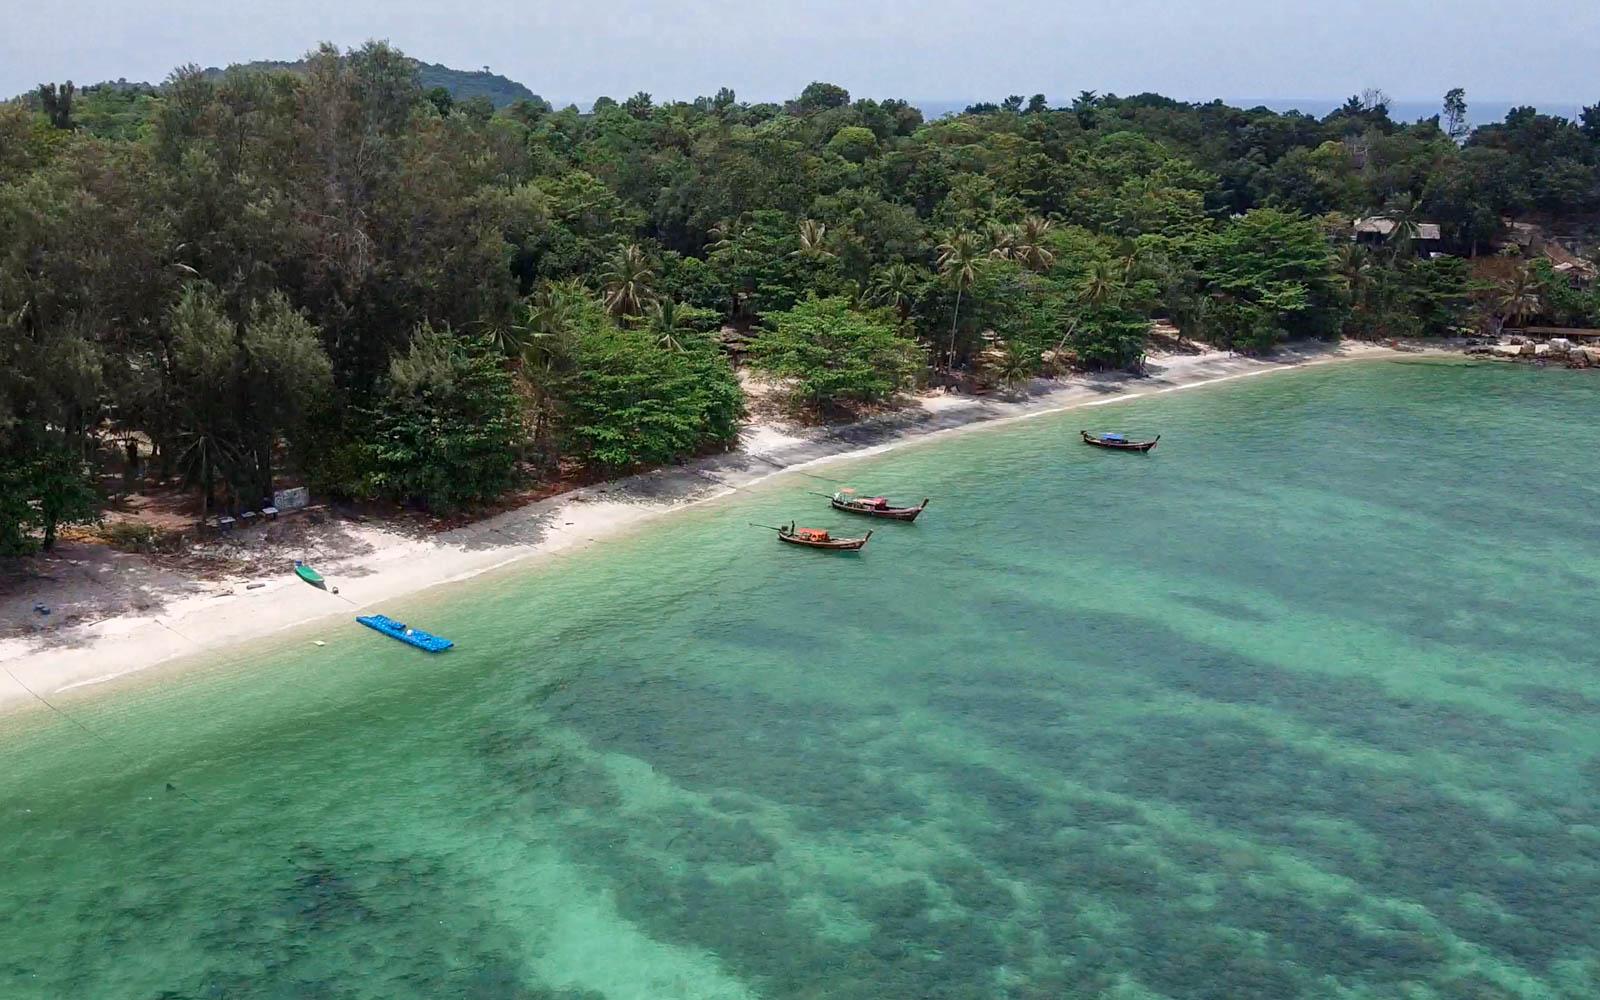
(182, 617)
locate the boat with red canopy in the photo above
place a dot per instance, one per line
(819, 538)
(873, 506)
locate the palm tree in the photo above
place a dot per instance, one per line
(1084, 107)
(669, 321)
(1354, 265)
(958, 258)
(1102, 284)
(896, 285)
(1016, 365)
(1030, 244)
(813, 239)
(1002, 241)
(1517, 296)
(1404, 212)
(206, 454)
(508, 340)
(547, 326)
(627, 282)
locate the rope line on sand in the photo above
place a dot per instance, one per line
(812, 475)
(47, 704)
(174, 631)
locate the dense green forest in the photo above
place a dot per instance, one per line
(397, 294)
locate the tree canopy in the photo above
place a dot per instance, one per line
(278, 270)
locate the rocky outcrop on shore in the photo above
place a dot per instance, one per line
(1556, 350)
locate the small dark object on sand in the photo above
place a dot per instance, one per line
(40, 608)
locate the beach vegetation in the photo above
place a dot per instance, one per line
(443, 429)
(273, 272)
(837, 355)
(645, 396)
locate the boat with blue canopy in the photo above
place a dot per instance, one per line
(1118, 442)
(405, 633)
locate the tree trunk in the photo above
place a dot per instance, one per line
(208, 484)
(130, 468)
(49, 532)
(265, 496)
(953, 321)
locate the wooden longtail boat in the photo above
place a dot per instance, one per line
(874, 506)
(817, 538)
(1118, 442)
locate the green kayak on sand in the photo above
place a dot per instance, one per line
(309, 575)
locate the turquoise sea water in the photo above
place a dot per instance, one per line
(1304, 704)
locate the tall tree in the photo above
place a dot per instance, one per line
(57, 104)
(1454, 119)
(958, 259)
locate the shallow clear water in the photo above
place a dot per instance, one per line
(1304, 704)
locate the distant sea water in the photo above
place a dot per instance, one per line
(1304, 704)
(1478, 112)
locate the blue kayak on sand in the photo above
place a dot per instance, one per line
(400, 630)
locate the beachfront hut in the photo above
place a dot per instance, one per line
(1377, 230)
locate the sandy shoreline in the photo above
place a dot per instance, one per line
(184, 619)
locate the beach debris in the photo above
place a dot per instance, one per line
(254, 586)
(318, 642)
(40, 608)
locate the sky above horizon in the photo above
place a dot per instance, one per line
(929, 49)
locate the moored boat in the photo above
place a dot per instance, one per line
(1118, 442)
(875, 506)
(309, 575)
(406, 634)
(818, 538)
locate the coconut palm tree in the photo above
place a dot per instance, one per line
(548, 323)
(1030, 248)
(1002, 241)
(1102, 284)
(669, 321)
(813, 239)
(1016, 365)
(1405, 213)
(896, 285)
(508, 340)
(627, 282)
(549, 326)
(1517, 296)
(1354, 265)
(207, 453)
(959, 257)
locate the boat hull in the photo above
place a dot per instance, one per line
(309, 575)
(1139, 446)
(883, 513)
(831, 545)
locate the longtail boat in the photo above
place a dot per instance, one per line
(405, 633)
(816, 538)
(874, 506)
(1118, 442)
(309, 575)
